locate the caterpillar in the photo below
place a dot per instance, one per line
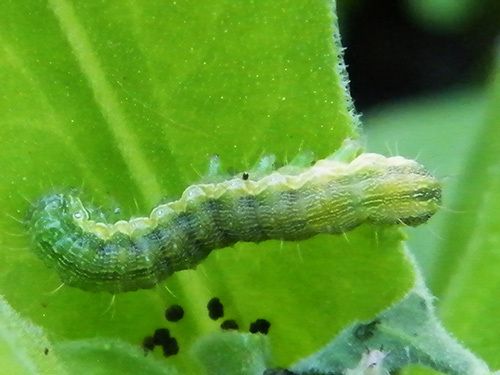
(290, 204)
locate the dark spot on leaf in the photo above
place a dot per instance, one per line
(245, 176)
(161, 336)
(424, 305)
(171, 347)
(229, 324)
(365, 331)
(278, 371)
(46, 351)
(174, 313)
(215, 309)
(148, 344)
(260, 326)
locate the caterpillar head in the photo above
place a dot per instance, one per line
(405, 192)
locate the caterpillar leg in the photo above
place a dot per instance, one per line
(347, 152)
(302, 160)
(214, 166)
(215, 172)
(265, 165)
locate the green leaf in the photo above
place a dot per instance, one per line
(24, 348)
(232, 353)
(127, 101)
(109, 356)
(406, 333)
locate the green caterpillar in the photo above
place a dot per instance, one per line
(288, 204)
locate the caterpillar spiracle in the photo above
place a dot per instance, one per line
(288, 204)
